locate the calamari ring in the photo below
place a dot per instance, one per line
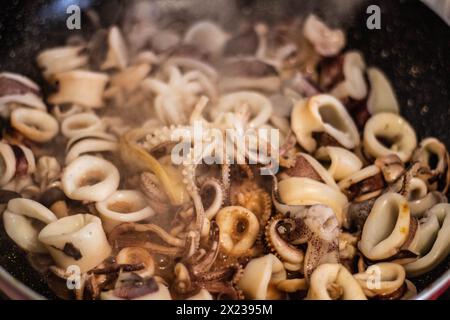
(7, 163)
(81, 123)
(343, 163)
(259, 274)
(393, 128)
(76, 240)
(239, 229)
(331, 281)
(441, 245)
(323, 113)
(34, 124)
(381, 279)
(304, 191)
(123, 206)
(73, 82)
(90, 178)
(439, 172)
(386, 228)
(90, 146)
(19, 227)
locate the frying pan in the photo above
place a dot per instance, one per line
(412, 47)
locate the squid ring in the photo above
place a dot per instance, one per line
(123, 206)
(76, 240)
(305, 191)
(386, 228)
(393, 128)
(331, 276)
(323, 113)
(259, 274)
(19, 227)
(34, 124)
(90, 178)
(239, 228)
(7, 163)
(81, 123)
(381, 279)
(88, 146)
(441, 246)
(343, 163)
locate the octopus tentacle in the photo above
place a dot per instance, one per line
(280, 247)
(219, 196)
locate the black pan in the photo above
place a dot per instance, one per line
(413, 49)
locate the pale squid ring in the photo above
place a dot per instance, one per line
(84, 234)
(259, 274)
(230, 219)
(19, 227)
(390, 126)
(90, 178)
(441, 246)
(305, 191)
(323, 113)
(80, 87)
(7, 163)
(260, 106)
(94, 143)
(331, 275)
(81, 123)
(343, 163)
(386, 228)
(381, 279)
(34, 124)
(123, 206)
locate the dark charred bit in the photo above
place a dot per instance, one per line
(368, 185)
(9, 86)
(6, 195)
(331, 72)
(51, 196)
(323, 139)
(248, 67)
(245, 43)
(71, 251)
(303, 169)
(21, 160)
(118, 267)
(136, 287)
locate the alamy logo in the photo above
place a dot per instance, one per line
(74, 277)
(74, 20)
(374, 20)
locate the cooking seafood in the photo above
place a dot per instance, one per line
(146, 167)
